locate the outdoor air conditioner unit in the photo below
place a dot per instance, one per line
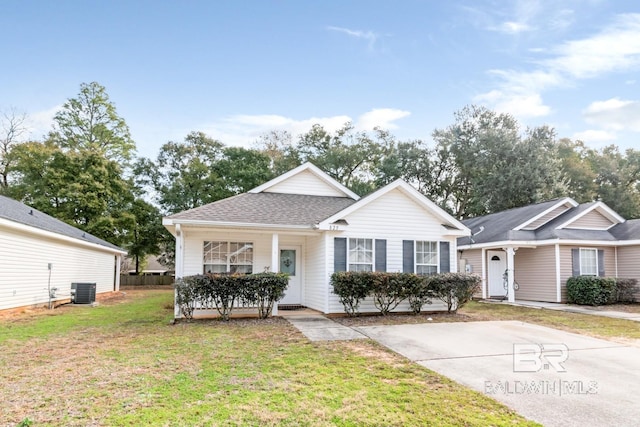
(83, 293)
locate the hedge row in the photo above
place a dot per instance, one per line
(593, 290)
(390, 289)
(223, 291)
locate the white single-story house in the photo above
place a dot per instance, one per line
(307, 224)
(41, 256)
(536, 248)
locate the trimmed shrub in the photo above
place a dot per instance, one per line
(418, 290)
(626, 290)
(591, 290)
(188, 293)
(223, 291)
(264, 289)
(351, 287)
(388, 290)
(454, 289)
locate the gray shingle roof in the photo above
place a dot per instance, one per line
(16, 211)
(499, 226)
(268, 208)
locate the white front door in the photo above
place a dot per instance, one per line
(290, 264)
(497, 265)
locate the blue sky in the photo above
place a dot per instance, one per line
(237, 69)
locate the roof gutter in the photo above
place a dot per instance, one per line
(171, 222)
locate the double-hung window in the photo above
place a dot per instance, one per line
(228, 257)
(360, 256)
(588, 262)
(426, 258)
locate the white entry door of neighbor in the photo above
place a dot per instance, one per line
(497, 264)
(290, 264)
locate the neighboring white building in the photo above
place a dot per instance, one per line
(39, 252)
(307, 224)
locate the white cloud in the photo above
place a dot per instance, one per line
(524, 105)
(369, 36)
(381, 117)
(594, 136)
(41, 122)
(244, 130)
(614, 114)
(511, 27)
(616, 48)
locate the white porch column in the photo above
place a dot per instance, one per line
(511, 252)
(484, 274)
(179, 264)
(275, 263)
(275, 245)
(558, 277)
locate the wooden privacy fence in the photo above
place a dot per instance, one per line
(127, 280)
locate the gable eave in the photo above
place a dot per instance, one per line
(302, 168)
(409, 191)
(545, 212)
(602, 208)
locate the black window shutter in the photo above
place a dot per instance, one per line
(381, 255)
(575, 262)
(445, 265)
(600, 263)
(407, 256)
(339, 254)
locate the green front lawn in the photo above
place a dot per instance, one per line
(122, 363)
(586, 324)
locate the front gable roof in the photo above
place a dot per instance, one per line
(452, 226)
(552, 220)
(594, 209)
(306, 179)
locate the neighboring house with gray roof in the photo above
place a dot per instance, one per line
(545, 244)
(39, 252)
(307, 224)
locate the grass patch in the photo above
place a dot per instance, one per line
(596, 326)
(122, 363)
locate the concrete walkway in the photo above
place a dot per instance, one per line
(317, 327)
(594, 311)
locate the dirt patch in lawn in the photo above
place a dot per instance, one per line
(401, 319)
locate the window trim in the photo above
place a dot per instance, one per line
(373, 254)
(597, 267)
(415, 256)
(228, 258)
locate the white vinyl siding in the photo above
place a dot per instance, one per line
(305, 183)
(426, 258)
(360, 254)
(588, 262)
(24, 276)
(393, 217)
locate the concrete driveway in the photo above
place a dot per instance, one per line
(553, 377)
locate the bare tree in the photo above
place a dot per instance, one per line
(12, 129)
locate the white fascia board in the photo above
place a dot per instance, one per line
(227, 224)
(306, 167)
(535, 243)
(51, 235)
(605, 210)
(411, 192)
(540, 215)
